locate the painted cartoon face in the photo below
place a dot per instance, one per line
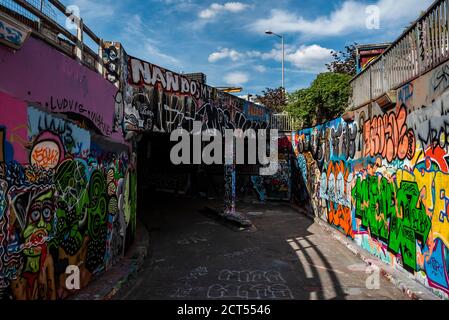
(39, 223)
(110, 55)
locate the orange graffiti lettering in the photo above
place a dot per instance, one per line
(389, 137)
(45, 157)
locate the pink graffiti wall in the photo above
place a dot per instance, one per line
(15, 139)
(40, 74)
(68, 180)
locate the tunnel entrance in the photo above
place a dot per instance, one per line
(160, 180)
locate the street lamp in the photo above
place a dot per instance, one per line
(269, 32)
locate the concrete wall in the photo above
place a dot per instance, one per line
(67, 179)
(382, 179)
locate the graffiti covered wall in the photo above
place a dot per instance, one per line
(381, 178)
(67, 180)
(154, 99)
(59, 84)
(277, 187)
(159, 100)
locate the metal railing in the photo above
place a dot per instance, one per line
(284, 122)
(42, 17)
(422, 47)
(43, 5)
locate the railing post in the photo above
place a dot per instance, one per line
(383, 75)
(80, 44)
(40, 20)
(100, 55)
(418, 46)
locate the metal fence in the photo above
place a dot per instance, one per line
(422, 47)
(42, 5)
(43, 16)
(284, 122)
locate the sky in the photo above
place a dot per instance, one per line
(226, 40)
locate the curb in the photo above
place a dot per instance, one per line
(409, 286)
(108, 284)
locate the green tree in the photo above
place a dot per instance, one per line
(326, 99)
(344, 61)
(273, 99)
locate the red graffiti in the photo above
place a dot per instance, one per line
(437, 155)
(389, 137)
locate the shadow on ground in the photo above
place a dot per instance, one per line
(285, 256)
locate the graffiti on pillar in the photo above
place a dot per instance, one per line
(2, 144)
(112, 61)
(230, 189)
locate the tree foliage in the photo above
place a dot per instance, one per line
(344, 61)
(326, 99)
(273, 99)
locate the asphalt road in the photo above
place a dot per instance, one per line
(285, 256)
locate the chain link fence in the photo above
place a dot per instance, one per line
(42, 5)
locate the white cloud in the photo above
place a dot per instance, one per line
(225, 53)
(349, 17)
(236, 78)
(310, 58)
(260, 68)
(253, 54)
(90, 10)
(216, 9)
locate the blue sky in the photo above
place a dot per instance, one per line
(226, 40)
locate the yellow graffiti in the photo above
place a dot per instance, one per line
(434, 188)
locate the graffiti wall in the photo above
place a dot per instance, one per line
(154, 99)
(59, 84)
(381, 178)
(159, 100)
(67, 179)
(68, 203)
(277, 187)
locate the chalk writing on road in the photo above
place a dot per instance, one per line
(250, 285)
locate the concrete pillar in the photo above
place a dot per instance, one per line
(230, 189)
(230, 174)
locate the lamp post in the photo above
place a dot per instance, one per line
(269, 32)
